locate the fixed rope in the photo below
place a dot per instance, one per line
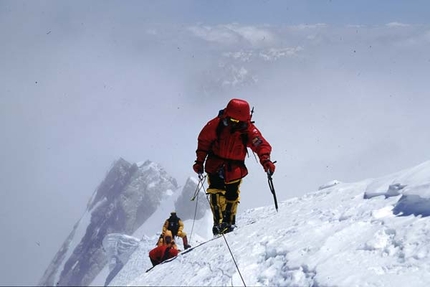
(200, 185)
(234, 260)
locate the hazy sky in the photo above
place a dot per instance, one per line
(340, 90)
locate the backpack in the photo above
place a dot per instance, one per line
(173, 225)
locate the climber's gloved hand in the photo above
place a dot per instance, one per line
(268, 165)
(198, 167)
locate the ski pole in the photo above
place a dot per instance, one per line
(196, 195)
(272, 188)
(199, 186)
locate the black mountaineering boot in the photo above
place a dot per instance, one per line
(216, 230)
(226, 227)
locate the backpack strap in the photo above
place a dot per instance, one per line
(222, 124)
(174, 225)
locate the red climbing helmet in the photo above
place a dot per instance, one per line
(238, 109)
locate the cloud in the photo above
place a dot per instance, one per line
(397, 24)
(233, 39)
(302, 27)
(233, 34)
(256, 36)
(220, 35)
(427, 36)
(270, 55)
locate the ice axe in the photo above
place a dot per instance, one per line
(272, 188)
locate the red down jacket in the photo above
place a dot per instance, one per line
(225, 147)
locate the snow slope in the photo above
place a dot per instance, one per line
(368, 233)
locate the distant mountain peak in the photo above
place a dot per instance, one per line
(124, 200)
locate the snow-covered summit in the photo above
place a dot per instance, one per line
(346, 234)
(373, 233)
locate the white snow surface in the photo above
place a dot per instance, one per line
(345, 234)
